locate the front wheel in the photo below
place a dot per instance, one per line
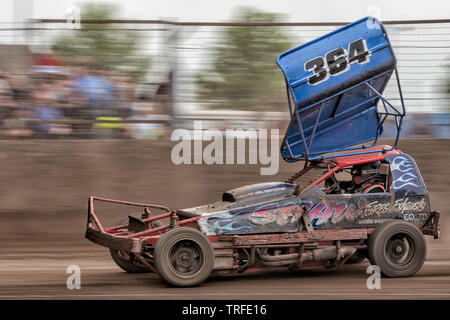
(398, 248)
(184, 257)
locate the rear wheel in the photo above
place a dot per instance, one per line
(126, 260)
(398, 248)
(184, 257)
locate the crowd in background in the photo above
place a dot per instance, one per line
(56, 101)
(76, 102)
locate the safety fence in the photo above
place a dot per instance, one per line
(223, 73)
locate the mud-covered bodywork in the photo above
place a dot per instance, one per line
(247, 210)
(277, 207)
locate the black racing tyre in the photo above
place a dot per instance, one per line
(184, 257)
(398, 248)
(122, 259)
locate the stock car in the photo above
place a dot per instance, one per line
(353, 199)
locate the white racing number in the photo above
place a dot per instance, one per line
(337, 61)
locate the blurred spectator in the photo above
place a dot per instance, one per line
(48, 64)
(44, 107)
(145, 110)
(97, 92)
(15, 125)
(109, 130)
(6, 99)
(126, 90)
(13, 117)
(4, 83)
(20, 88)
(97, 96)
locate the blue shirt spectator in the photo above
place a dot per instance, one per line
(98, 93)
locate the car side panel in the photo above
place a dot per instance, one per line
(407, 199)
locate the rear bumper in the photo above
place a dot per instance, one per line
(118, 237)
(114, 242)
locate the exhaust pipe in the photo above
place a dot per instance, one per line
(321, 254)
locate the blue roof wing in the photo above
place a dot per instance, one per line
(336, 82)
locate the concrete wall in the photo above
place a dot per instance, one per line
(60, 175)
(45, 184)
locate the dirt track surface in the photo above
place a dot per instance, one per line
(43, 208)
(44, 277)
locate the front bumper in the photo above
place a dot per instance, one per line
(431, 226)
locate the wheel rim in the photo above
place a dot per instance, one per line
(186, 257)
(400, 249)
